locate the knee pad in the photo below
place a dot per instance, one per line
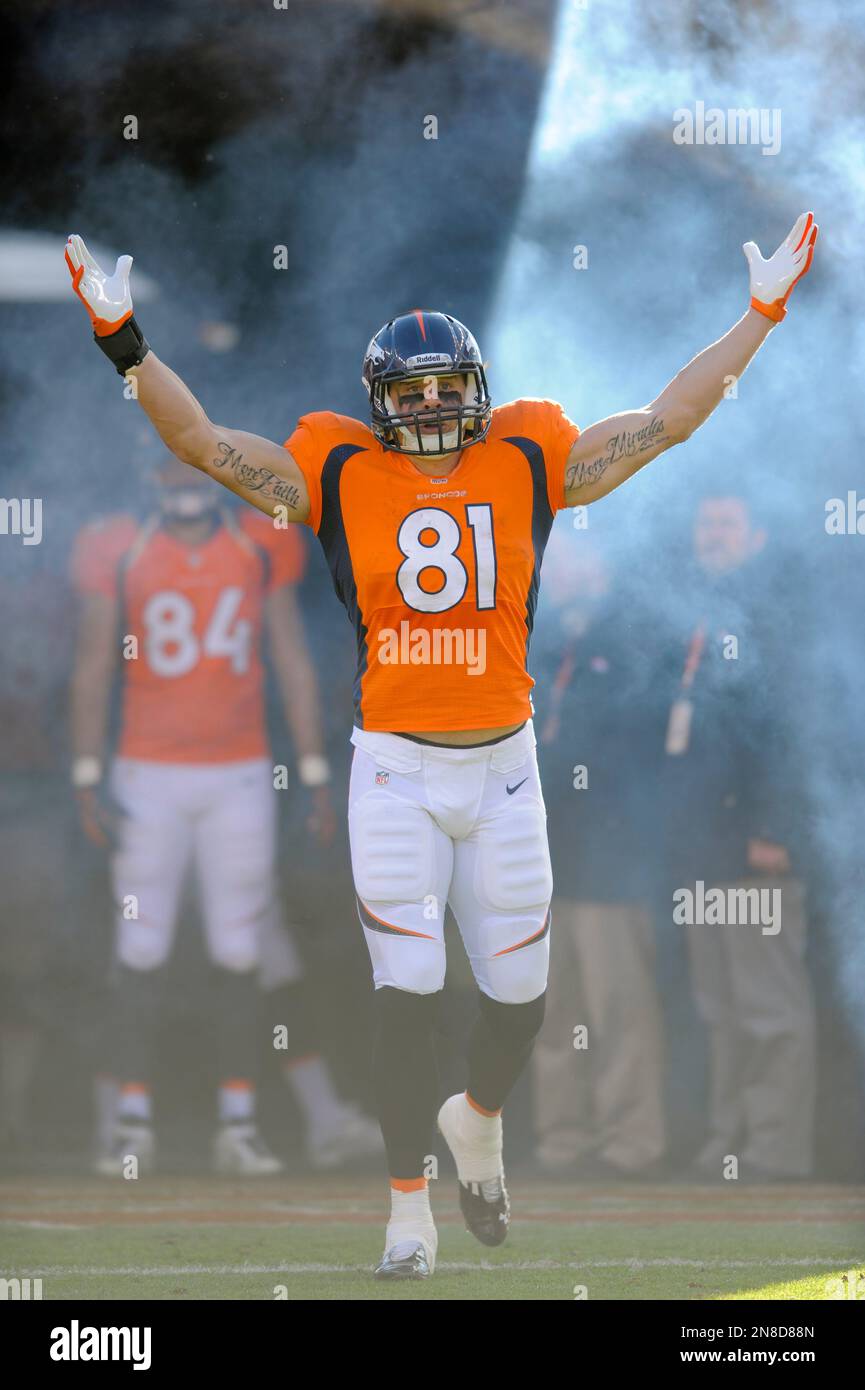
(233, 940)
(239, 957)
(517, 1022)
(144, 947)
(403, 964)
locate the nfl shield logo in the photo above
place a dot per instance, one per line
(382, 778)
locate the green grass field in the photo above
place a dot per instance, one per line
(313, 1238)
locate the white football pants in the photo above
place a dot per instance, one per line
(466, 827)
(220, 820)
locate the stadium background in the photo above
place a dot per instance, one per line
(303, 127)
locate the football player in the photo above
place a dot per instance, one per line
(433, 519)
(191, 593)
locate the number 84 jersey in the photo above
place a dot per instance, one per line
(440, 574)
(191, 619)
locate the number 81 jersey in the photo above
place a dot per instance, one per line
(439, 574)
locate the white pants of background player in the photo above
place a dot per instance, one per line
(218, 820)
(466, 827)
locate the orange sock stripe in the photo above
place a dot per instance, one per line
(490, 1114)
(409, 1184)
(135, 1088)
(236, 1084)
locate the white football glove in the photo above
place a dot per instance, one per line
(105, 297)
(108, 301)
(772, 281)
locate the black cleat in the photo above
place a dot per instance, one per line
(404, 1261)
(486, 1208)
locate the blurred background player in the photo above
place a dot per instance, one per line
(188, 597)
(599, 1107)
(733, 816)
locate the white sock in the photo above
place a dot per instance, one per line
(411, 1218)
(311, 1085)
(481, 1131)
(236, 1103)
(406, 1207)
(475, 1140)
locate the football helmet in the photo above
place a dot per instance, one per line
(419, 346)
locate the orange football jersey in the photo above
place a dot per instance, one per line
(194, 692)
(438, 574)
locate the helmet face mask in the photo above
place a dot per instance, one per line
(420, 348)
(430, 431)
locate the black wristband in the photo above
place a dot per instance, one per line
(126, 348)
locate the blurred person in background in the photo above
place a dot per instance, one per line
(188, 598)
(598, 1098)
(733, 815)
(34, 830)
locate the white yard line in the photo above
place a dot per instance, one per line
(443, 1266)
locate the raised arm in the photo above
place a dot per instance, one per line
(611, 451)
(256, 469)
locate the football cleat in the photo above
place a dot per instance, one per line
(352, 1136)
(406, 1260)
(477, 1153)
(239, 1151)
(486, 1209)
(127, 1140)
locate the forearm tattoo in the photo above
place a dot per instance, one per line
(252, 478)
(618, 446)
